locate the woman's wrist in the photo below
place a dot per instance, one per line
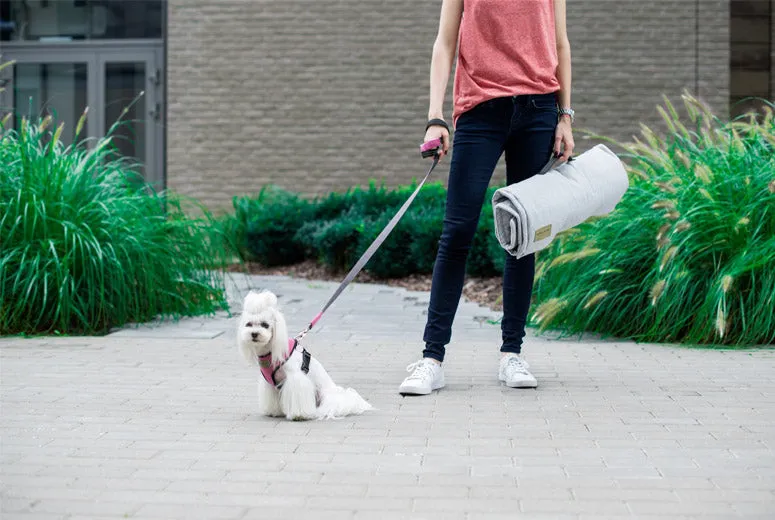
(567, 114)
(437, 122)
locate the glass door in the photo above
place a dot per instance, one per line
(56, 85)
(121, 87)
(131, 111)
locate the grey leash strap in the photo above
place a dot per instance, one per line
(372, 249)
(553, 162)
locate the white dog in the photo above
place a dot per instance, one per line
(292, 383)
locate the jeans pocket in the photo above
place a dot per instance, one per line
(545, 103)
(485, 106)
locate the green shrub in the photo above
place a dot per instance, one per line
(337, 228)
(689, 254)
(425, 229)
(236, 226)
(84, 247)
(333, 242)
(374, 201)
(331, 206)
(411, 247)
(496, 254)
(432, 196)
(425, 219)
(392, 259)
(333, 237)
(272, 221)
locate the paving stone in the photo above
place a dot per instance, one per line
(159, 421)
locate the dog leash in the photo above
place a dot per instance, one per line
(430, 149)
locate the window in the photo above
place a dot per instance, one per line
(750, 45)
(73, 20)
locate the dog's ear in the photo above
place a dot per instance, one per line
(279, 343)
(256, 302)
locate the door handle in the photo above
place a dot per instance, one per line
(155, 112)
(155, 78)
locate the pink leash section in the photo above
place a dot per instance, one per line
(430, 149)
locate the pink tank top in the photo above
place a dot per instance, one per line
(505, 48)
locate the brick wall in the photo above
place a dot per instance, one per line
(320, 95)
(713, 52)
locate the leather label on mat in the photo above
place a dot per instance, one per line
(544, 232)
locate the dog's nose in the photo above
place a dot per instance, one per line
(254, 334)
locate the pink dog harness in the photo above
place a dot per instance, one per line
(269, 369)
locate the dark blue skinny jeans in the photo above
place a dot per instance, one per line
(523, 127)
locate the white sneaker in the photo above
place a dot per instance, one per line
(513, 371)
(426, 376)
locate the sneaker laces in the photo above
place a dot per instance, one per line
(420, 370)
(517, 364)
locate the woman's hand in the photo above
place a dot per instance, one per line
(563, 139)
(438, 132)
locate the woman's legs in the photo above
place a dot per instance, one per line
(524, 127)
(528, 149)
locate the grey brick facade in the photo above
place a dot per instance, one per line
(324, 95)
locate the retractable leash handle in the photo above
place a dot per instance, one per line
(430, 149)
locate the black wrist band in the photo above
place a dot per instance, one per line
(437, 122)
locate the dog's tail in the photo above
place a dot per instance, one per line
(339, 402)
(256, 302)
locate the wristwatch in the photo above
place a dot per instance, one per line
(567, 111)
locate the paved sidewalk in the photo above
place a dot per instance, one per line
(160, 423)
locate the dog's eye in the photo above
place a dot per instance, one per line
(249, 324)
(264, 325)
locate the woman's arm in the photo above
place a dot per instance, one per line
(441, 65)
(563, 141)
(563, 53)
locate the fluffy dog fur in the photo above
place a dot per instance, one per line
(313, 395)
